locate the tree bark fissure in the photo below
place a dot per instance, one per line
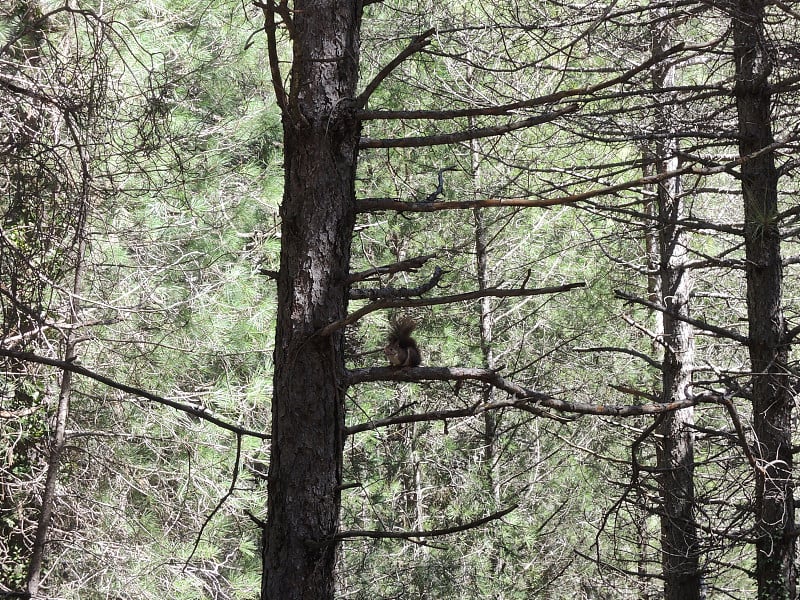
(772, 397)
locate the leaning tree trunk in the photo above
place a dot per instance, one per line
(320, 144)
(772, 398)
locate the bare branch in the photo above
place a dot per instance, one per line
(376, 204)
(416, 45)
(403, 535)
(463, 136)
(510, 108)
(519, 392)
(455, 413)
(201, 412)
(268, 8)
(407, 302)
(391, 292)
(410, 264)
(649, 360)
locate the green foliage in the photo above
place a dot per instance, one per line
(185, 161)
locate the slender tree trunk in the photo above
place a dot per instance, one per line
(321, 144)
(679, 547)
(679, 544)
(57, 445)
(772, 397)
(486, 322)
(70, 352)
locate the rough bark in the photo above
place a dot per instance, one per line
(679, 544)
(772, 398)
(318, 211)
(679, 547)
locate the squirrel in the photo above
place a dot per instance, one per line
(401, 349)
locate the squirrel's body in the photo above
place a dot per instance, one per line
(401, 349)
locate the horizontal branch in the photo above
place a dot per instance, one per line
(466, 135)
(517, 391)
(410, 265)
(200, 412)
(376, 204)
(475, 295)
(444, 415)
(404, 535)
(506, 109)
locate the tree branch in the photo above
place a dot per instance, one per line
(649, 360)
(517, 391)
(720, 331)
(410, 264)
(391, 292)
(268, 8)
(417, 44)
(506, 109)
(456, 413)
(403, 535)
(375, 204)
(200, 412)
(408, 302)
(463, 136)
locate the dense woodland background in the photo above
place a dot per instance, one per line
(590, 209)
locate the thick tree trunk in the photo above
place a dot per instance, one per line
(321, 142)
(679, 547)
(772, 398)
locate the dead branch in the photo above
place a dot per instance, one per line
(199, 411)
(410, 265)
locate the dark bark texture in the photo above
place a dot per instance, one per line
(772, 398)
(318, 211)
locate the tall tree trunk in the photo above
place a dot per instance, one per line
(318, 211)
(679, 548)
(772, 398)
(486, 320)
